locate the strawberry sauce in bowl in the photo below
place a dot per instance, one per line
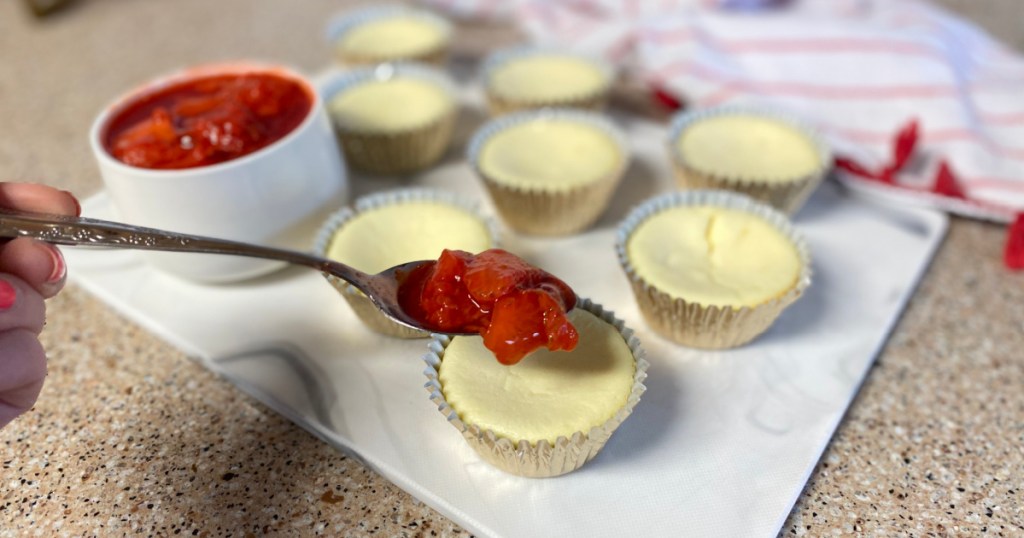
(240, 150)
(209, 120)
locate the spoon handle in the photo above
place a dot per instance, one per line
(68, 230)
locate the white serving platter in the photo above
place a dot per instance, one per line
(721, 443)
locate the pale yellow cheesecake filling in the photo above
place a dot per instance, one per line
(384, 237)
(549, 154)
(392, 37)
(714, 256)
(547, 78)
(389, 105)
(748, 147)
(546, 395)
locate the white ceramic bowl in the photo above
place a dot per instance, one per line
(263, 197)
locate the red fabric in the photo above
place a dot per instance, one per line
(946, 183)
(902, 149)
(1013, 255)
(665, 98)
(856, 169)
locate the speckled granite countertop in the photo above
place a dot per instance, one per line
(132, 437)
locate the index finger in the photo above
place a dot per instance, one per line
(38, 198)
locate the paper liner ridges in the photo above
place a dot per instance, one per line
(540, 211)
(708, 326)
(542, 458)
(787, 196)
(400, 151)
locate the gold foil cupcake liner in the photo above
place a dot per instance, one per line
(398, 153)
(708, 326)
(539, 211)
(361, 305)
(532, 458)
(787, 196)
(344, 22)
(394, 152)
(499, 103)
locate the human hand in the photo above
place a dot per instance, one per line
(30, 272)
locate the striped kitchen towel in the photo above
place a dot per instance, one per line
(919, 105)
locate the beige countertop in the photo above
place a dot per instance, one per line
(132, 436)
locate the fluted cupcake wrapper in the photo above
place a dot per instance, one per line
(398, 153)
(395, 152)
(708, 326)
(785, 195)
(499, 104)
(436, 57)
(539, 211)
(531, 458)
(361, 305)
(344, 22)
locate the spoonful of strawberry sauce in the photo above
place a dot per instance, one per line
(516, 307)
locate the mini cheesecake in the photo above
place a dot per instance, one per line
(392, 119)
(711, 269)
(766, 156)
(550, 172)
(389, 106)
(529, 77)
(388, 34)
(391, 228)
(714, 256)
(551, 412)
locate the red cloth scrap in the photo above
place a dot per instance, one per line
(1013, 255)
(945, 184)
(902, 149)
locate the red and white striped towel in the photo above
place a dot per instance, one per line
(918, 104)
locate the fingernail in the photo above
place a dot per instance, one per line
(78, 206)
(7, 294)
(59, 267)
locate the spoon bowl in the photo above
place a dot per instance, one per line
(381, 288)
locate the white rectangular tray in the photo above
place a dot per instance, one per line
(720, 445)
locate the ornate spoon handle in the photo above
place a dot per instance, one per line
(66, 230)
(381, 288)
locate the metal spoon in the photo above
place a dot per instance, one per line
(381, 288)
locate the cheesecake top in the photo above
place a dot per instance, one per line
(747, 146)
(547, 77)
(549, 154)
(400, 36)
(548, 393)
(383, 237)
(389, 105)
(714, 256)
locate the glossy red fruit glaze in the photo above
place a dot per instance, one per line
(207, 121)
(516, 307)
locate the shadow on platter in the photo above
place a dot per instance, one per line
(659, 406)
(289, 365)
(808, 315)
